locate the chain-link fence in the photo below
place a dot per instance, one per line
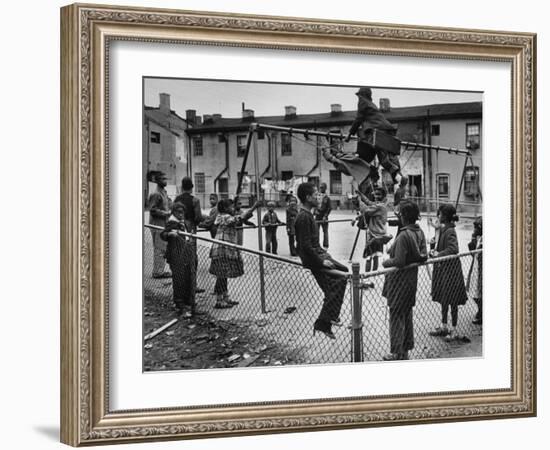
(278, 299)
(254, 308)
(425, 310)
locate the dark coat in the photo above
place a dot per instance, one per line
(209, 220)
(369, 118)
(476, 244)
(291, 213)
(324, 209)
(271, 221)
(400, 286)
(159, 207)
(448, 280)
(307, 241)
(180, 249)
(193, 214)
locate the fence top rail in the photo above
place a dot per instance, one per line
(249, 250)
(425, 263)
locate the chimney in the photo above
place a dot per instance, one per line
(191, 115)
(165, 103)
(207, 119)
(248, 115)
(216, 117)
(198, 121)
(335, 109)
(385, 105)
(290, 112)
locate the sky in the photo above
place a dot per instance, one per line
(226, 97)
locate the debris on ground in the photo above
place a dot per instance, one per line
(204, 342)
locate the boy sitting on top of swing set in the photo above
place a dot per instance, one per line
(376, 137)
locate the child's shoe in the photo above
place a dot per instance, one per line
(228, 300)
(439, 331)
(451, 336)
(220, 303)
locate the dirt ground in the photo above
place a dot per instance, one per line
(204, 342)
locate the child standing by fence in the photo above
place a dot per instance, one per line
(400, 286)
(475, 274)
(208, 222)
(226, 262)
(291, 213)
(271, 221)
(376, 220)
(448, 287)
(181, 256)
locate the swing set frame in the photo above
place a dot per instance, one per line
(252, 143)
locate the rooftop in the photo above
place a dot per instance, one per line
(323, 120)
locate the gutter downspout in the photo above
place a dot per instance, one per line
(226, 168)
(317, 161)
(269, 151)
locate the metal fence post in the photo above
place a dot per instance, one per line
(356, 315)
(254, 131)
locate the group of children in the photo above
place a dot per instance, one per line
(448, 287)
(225, 222)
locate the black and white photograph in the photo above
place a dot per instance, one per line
(296, 224)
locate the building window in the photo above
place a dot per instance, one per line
(286, 144)
(443, 185)
(435, 130)
(472, 136)
(471, 181)
(200, 187)
(155, 137)
(314, 181)
(241, 145)
(197, 146)
(287, 175)
(335, 182)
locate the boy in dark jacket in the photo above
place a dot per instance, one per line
(271, 221)
(368, 119)
(181, 256)
(400, 286)
(322, 213)
(323, 267)
(291, 213)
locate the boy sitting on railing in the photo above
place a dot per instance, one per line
(318, 260)
(181, 256)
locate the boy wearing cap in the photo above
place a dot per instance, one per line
(270, 221)
(368, 119)
(359, 165)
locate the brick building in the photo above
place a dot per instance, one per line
(164, 143)
(216, 147)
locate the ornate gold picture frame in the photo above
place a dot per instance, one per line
(87, 31)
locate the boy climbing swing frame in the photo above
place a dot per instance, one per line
(92, 409)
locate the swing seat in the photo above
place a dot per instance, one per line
(386, 142)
